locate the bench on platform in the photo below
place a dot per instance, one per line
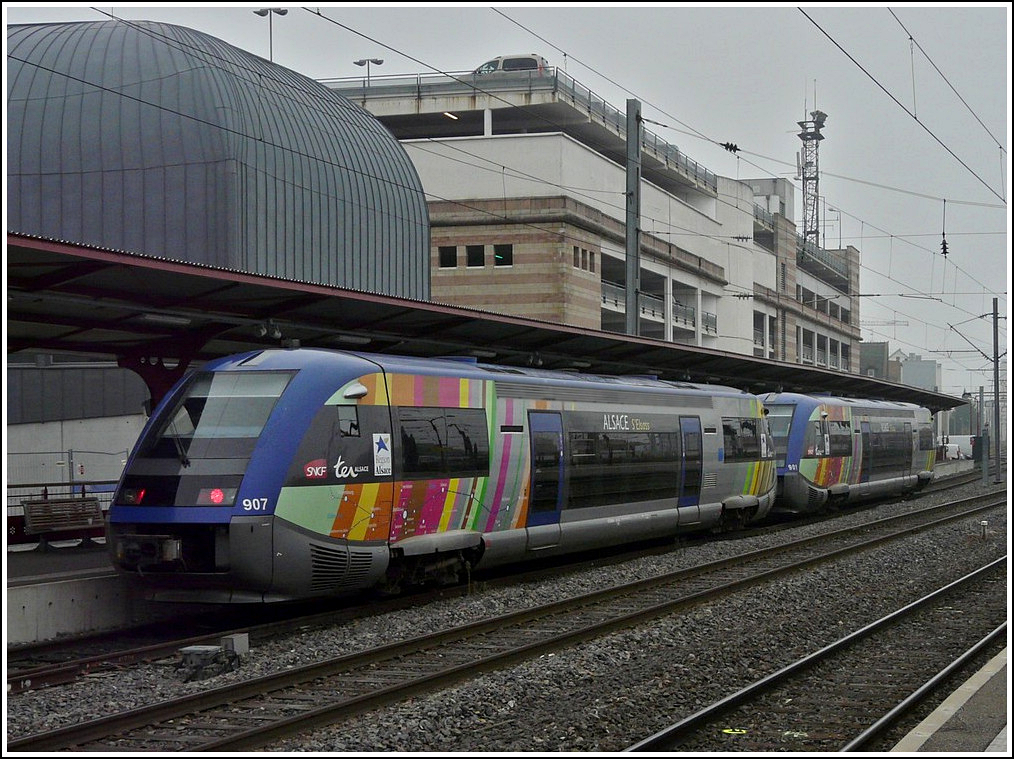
(47, 516)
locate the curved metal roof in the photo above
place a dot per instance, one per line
(63, 297)
(162, 140)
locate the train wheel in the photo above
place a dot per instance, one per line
(730, 521)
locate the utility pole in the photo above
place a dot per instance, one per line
(983, 450)
(996, 395)
(633, 239)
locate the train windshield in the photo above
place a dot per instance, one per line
(780, 420)
(218, 415)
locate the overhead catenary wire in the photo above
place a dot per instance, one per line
(902, 106)
(946, 80)
(694, 131)
(661, 223)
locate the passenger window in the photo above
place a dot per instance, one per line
(348, 421)
(445, 443)
(519, 64)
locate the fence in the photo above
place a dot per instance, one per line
(58, 475)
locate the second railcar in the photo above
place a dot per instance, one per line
(831, 451)
(284, 474)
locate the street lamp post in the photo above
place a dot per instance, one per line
(366, 62)
(270, 12)
(835, 211)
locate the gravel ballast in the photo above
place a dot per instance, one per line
(600, 696)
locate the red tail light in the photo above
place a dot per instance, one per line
(216, 496)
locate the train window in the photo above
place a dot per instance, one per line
(422, 441)
(617, 467)
(443, 442)
(926, 438)
(817, 442)
(841, 438)
(348, 421)
(893, 448)
(780, 420)
(218, 415)
(467, 442)
(767, 440)
(742, 439)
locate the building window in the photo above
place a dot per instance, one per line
(476, 255)
(584, 259)
(503, 255)
(448, 256)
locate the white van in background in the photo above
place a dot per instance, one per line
(512, 64)
(956, 446)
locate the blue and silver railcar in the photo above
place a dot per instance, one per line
(831, 451)
(283, 474)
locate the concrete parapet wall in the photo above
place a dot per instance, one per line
(66, 608)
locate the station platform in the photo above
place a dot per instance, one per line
(25, 563)
(974, 718)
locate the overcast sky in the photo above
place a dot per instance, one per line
(915, 143)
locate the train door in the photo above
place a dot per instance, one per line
(691, 465)
(866, 460)
(913, 447)
(547, 485)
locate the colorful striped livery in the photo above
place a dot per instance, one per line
(835, 450)
(285, 474)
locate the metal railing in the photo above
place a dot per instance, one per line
(684, 316)
(532, 81)
(763, 215)
(613, 292)
(101, 489)
(651, 305)
(836, 263)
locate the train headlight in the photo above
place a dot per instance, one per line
(131, 496)
(216, 496)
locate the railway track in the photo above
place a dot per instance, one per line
(62, 661)
(280, 704)
(844, 696)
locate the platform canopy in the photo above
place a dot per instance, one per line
(142, 310)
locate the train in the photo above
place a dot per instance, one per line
(299, 473)
(831, 451)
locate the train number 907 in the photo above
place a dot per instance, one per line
(255, 504)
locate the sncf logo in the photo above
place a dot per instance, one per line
(316, 469)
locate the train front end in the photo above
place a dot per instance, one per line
(193, 515)
(788, 414)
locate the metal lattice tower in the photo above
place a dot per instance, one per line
(808, 171)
